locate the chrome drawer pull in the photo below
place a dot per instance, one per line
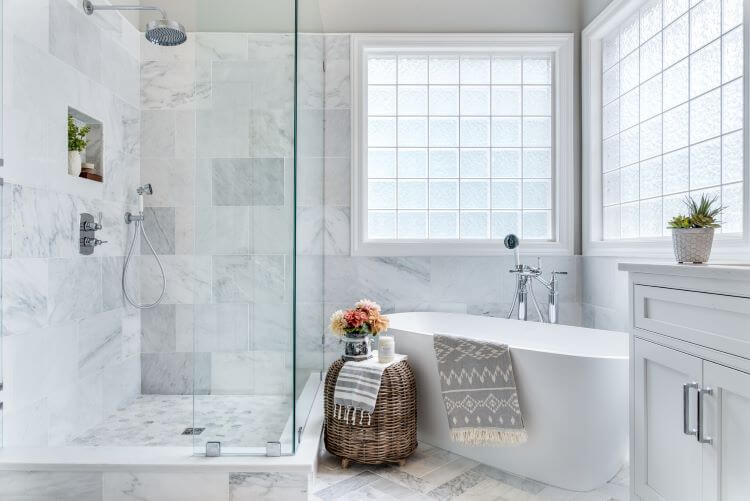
(700, 436)
(686, 408)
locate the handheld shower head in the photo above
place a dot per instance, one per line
(513, 243)
(145, 189)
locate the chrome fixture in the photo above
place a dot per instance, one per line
(525, 275)
(159, 32)
(137, 219)
(213, 449)
(87, 234)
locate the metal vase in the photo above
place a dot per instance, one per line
(357, 346)
(692, 245)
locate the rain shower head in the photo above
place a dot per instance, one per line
(160, 32)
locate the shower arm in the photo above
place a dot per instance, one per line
(89, 8)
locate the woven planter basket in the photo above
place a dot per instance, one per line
(391, 436)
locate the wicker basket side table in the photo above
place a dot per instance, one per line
(391, 436)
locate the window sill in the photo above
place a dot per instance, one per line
(454, 248)
(725, 248)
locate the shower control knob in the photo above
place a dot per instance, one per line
(92, 242)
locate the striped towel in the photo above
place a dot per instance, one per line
(357, 388)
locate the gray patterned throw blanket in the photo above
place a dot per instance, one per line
(479, 391)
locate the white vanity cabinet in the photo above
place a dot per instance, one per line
(690, 382)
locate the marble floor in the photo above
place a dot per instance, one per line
(432, 473)
(159, 420)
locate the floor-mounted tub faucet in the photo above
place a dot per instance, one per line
(525, 275)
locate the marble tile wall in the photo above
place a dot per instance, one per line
(71, 348)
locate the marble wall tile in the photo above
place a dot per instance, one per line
(222, 327)
(310, 230)
(311, 133)
(232, 373)
(310, 181)
(184, 134)
(271, 277)
(171, 179)
(272, 327)
(337, 133)
(158, 332)
(174, 373)
(75, 408)
(271, 133)
(271, 486)
(131, 334)
(121, 384)
(271, 226)
(337, 84)
(184, 230)
(310, 76)
(272, 372)
(232, 181)
(6, 220)
(99, 342)
(337, 237)
(75, 288)
(158, 133)
(43, 223)
(232, 279)
(222, 133)
(120, 70)
(26, 426)
(188, 279)
(337, 182)
(25, 295)
(119, 486)
(268, 183)
(159, 223)
(71, 38)
(169, 84)
(51, 486)
(223, 230)
(221, 46)
(468, 280)
(112, 297)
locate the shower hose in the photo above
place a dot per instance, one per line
(139, 228)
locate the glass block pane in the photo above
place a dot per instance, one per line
(676, 41)
(650, 58)
(381, 131)
(412, 194)
(629, 113)
(475, 100)
(610, 154)
(650, 138)
(705, 116)
(676, 166)
(675, 90)
(381, 100)
(443, 194)
(676, 128)
(381, 194)
(381, 224)
(443, 100)
(475, 162)
(475, 224)
(629, 220)
(506, 100)
(506, 162)
(629, 183)
(650, 96)
(443, 131)
(629, 36)
(674, 9)
(381, 162)
(412, 224)
(537, 132)
(537, 194)
(537, 100)
(537, 163)
(629, 143)
(443, 162)
(610, 50)
(475, 70)
(412, 131)
(537, 71)
(732, 14)
(412, 162)
(705, 164)
(672, 206)
(651, 218)
(536, 225)
(731, 157)
(611, 84)
(612, 188)
(705, 69)
(611, 119)
(475, 131)
(731, 106)
(443, 70)
(650, 178)
(506, 70)
(650, 20)
(732, 55)
(506, 194)
(506, 131)
(381, 70)
(629, 76)
(505, 223)
(611, 222)
(412, 100)
(731, 198)
(705, 23)
(475, 194)
(412, 70)
(444, 224)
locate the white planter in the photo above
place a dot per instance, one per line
(74, 163)
(692, 245)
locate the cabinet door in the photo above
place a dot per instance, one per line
(667, 462)
(726, 421)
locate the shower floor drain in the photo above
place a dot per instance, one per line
(193, 431)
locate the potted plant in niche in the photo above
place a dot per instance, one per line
(693, 235)
(76, 144)
(356, 326)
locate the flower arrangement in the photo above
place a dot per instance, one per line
(77, 135)
(364, 318)
(703, 214)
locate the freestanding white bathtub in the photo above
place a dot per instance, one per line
(573, 390)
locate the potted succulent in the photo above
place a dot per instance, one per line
(76, 144)
(356, 326)
(693, 235)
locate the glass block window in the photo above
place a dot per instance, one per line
(672, 116)
(459, 146)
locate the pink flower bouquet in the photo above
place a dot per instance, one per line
(365, 318)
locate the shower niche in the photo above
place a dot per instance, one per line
(85, 146)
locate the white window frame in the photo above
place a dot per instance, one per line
(561, 46)
(726, 247)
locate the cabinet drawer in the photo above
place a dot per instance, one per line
(711, 320)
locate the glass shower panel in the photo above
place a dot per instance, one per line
(4, 226)
(243, 226)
